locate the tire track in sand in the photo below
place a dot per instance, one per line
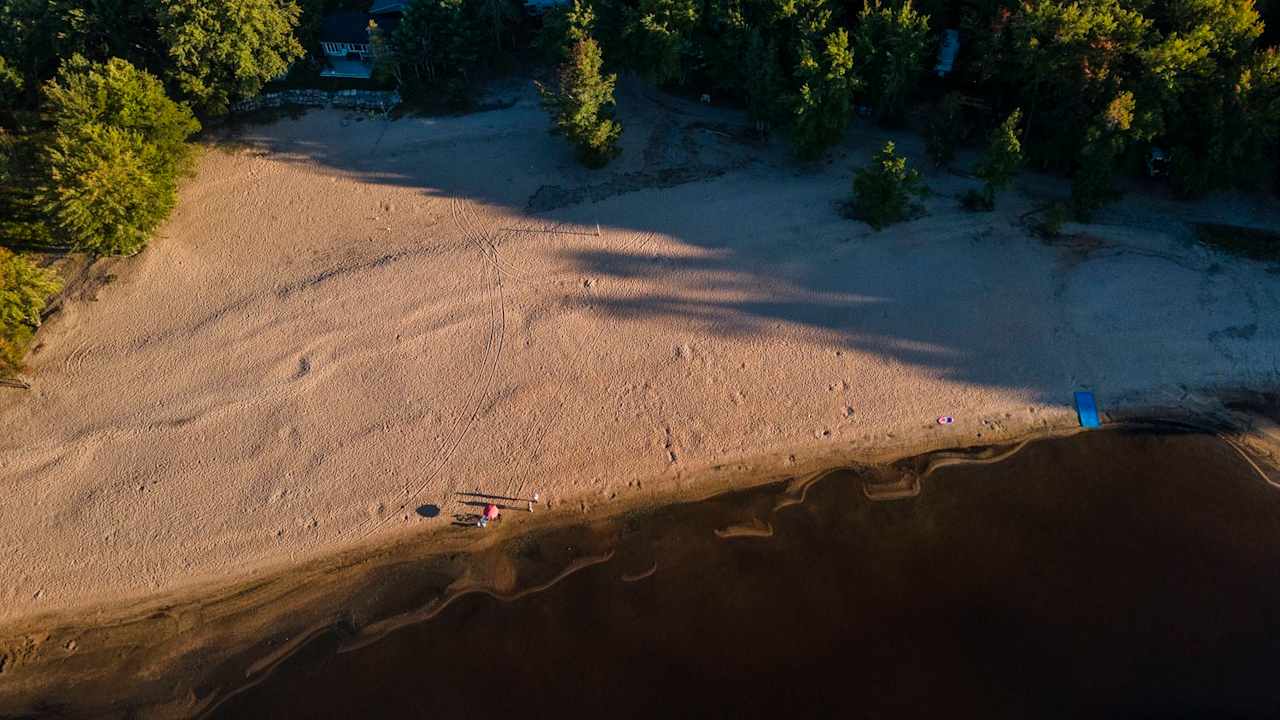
(481, 391)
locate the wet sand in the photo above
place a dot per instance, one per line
(1110, 574)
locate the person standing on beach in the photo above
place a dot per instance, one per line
(490, 513)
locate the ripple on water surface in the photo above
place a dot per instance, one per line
(1112, 574)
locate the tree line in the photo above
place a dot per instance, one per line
(98, 99)
(1097, 84)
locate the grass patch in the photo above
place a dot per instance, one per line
(1253, 243)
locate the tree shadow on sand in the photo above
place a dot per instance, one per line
(760, 251)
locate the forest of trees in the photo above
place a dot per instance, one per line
(98, 98)
(1097, 84)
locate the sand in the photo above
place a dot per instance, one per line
(349, 318)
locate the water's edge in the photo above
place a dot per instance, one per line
(186, 656)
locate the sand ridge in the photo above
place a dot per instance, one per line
(349, 318)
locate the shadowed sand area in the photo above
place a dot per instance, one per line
(347, 319)
(1124, 573)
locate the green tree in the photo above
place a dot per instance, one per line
(885, 191)
(386, 60)
(116, 94)
(945, 130)
(223, 51)
(1106, 139)
(439, 40)
(579, 104)
(657, 35)
(495, 14)
(25, 288)
(1213, 93)
(22, 222)
(563, 26)
(40, 34)
(1001, 163)
(892, 45)
(766, 82)
(824, 103)
(10, 86)
(1068, 60)
(102, 193)
(118, 147)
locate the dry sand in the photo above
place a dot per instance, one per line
(349, 318)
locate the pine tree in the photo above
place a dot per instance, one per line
(657, 35)
(579, 104)
(562, 27)
(945, 130)
(1001, 163)
(438, 41)
(824, 103)
(765, 82)
(892, 45)
(884, 192)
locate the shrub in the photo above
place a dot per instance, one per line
(579, 102)
(1051, 222)
(25, 287)
(884, 192)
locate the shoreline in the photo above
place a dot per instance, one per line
(281, 609)
(1243, 413)
(1237, 411)
(345, 321)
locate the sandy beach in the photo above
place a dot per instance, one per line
(351, 318)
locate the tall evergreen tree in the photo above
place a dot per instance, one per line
(580, 103)
(657, 35)
(824, 103)
(439, 41)
(1003, 159)
(892, 45)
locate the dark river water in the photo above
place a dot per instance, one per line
(1112, 574)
